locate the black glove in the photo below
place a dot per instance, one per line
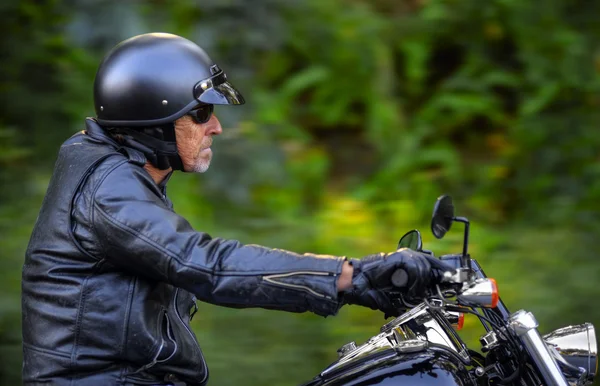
(372, 279)
(389, 304)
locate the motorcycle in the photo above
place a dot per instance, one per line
(422, 347)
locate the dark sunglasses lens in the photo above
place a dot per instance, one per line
(202, 114)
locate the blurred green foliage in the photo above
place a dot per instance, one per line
(360, 114)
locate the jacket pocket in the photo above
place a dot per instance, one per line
(167, 346)
(188, 364)
(190, 337)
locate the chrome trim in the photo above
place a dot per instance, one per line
(408, 346)
(398, 336)
(521, 322)
(576, 350)
(479, 293)
(489, 341)
(459, 275)
(575, 376)
(524, 325)
(377, 343)
(453, 317)
(405, 317)
(435, 333)
(391, 334)
(346, 349)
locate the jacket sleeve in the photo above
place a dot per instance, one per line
(140, 234)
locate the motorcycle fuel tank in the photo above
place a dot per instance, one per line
(390, 368)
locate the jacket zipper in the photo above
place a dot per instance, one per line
(191, 336)
(155, 360)
(271, 279)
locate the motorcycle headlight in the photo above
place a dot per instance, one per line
(577, 345)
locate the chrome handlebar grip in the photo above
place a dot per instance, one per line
(524, 325)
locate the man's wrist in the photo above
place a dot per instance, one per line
(344, 282)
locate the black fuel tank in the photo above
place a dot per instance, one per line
(387, 368)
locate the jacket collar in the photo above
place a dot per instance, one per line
(93, 129)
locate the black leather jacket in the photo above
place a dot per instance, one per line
(112, 272)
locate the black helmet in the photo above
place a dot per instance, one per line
(149, 81)
(154, 79)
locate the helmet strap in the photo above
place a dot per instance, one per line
(157, 143)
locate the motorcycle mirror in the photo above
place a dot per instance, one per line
(443, 214)
(411, 240)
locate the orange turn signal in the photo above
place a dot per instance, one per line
(495, 296)
(456, 319)
(482, 292)
(461, 321)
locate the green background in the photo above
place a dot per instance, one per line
(360, 113)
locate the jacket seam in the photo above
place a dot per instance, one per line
(172, 254)
(122, 226)
(102, 178)
(139, 235)
(127, 315)
(107, 173)
(80, 185)
(175, 257)
(80, 313)
(80, 309)
(61, 354)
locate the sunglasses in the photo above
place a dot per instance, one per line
(202, 114)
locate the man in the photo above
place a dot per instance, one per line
(112, 272)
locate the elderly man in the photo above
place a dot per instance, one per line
(112, 272)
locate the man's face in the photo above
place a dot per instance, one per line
(194, 141)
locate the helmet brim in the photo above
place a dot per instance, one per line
(217, 90)
(222, 94)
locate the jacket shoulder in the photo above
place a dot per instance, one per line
(117, 178)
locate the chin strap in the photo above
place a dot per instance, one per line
(157, 143)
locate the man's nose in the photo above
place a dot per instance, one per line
(214, 126)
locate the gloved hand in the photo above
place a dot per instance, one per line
(372, 279)
(378, 300)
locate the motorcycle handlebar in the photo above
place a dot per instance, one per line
(400, 278)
